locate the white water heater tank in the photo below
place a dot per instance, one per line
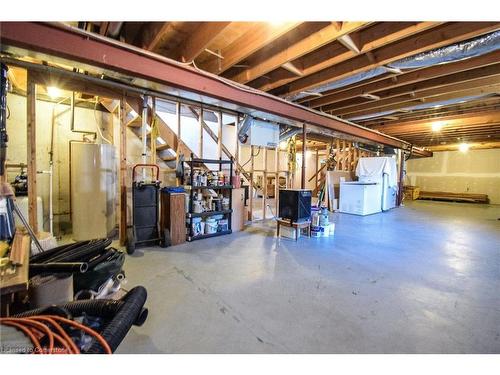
(93, 190)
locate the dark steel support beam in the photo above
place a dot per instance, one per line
(95, 50)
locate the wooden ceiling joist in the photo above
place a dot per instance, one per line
(153, 33)
(299, 49)
(472, 146)
(481, 104)
(454, 82)
(200, 39)
(427, 40)
(446, 122)
(465, 127)
(414, 76)
(250, 42)
(478, 87)
(328, 56)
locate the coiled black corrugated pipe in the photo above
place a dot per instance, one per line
(119, 326)
(103, 308)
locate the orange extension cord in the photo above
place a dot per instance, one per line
(34, 328)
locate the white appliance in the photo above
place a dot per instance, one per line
(93, 190)
(360, 198)
(264, 134)
(384, 171)
(381, 174)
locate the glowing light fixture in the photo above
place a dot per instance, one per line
(276, 23)
(54, 92)
(463, 147)
(437, 126)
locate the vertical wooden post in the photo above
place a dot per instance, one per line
(337, 154)
(122, 229)
(264, 186)
(304, 150)
(344, 156)
(277, 179)
(219, 137)
(178, 113)
(200, 122)
(31, 151)
(316, 169)
(237, 143)
(250, 187)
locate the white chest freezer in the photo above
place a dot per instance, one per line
(360, 198)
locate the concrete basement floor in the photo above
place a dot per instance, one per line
(424, 278)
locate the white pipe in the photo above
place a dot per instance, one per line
(50, 172)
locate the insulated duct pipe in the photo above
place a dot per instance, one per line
(289, 132)
(114, 29)
(3, 117)
(245, 126)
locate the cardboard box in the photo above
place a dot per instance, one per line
(411, 193)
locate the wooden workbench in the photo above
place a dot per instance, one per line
(18, 281)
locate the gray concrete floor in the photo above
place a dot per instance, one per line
(424, 278)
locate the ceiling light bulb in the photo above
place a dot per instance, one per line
(437, 126)
(53, 92)
(463, 147)
(276, 23)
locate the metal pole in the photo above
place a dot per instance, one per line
(27, 226)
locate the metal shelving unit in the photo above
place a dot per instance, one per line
(193, 164)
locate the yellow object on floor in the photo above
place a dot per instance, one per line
(4, 247)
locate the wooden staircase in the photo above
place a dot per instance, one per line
(168, 144)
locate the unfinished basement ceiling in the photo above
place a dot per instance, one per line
(373, 73)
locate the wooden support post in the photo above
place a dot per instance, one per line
(31, 151)
(219, 137)
(304, 150)
(250, 187)
(354, 157)
(316, 169)
(178, 110)
(277, 179)
(152, 135)
(337, 154)
(344, 156)
(122, 228)
(349, 157)
(200, 122)
(264, 186)
(237, 143)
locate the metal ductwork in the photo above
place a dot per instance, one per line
(114, 29)
(245, 126)
(287, 132)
